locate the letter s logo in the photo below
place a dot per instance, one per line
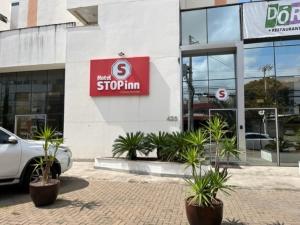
(121, 69)
(222, 94)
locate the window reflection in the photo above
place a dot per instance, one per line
(228, 84)
(221, 66)
(259, 45)
(287, 60)
(259, 62)
(278, 87)
(223, 24)
(200, 70)
(193, 27)
(260, 92)
(210, 72)
(289, 93)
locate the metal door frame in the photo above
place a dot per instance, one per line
(276, 128)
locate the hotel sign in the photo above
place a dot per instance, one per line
(121, 76)
(271, 19)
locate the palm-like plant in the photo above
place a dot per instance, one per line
(157, 141)
(204, 188)
(197, 139)
(45, 163)
(229, 148)
(130, 144)
(192, 159)
(176, 146)
(216, 128)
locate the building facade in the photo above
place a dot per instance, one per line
(5, 14)
(97, 69)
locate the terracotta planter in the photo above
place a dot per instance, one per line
(42, 195)
(201, 215)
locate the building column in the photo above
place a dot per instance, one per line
(241, 140)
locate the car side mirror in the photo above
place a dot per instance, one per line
(12, 140)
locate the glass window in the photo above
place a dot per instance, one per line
(221, 66)
(201, 87)
(39, 81)
(193, 27)
(287, 60)
(259, 62)
(259, 45)
(55, 91)
(290, 42)
(31, 92)
(228, 84)
(56, 121)
(38, 103)
(22, 103)
(223, 24)
(288, 93)
(23, 82)
(199, 65)
(23, 93)
(260, 92)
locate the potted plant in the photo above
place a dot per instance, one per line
(44, 191)
(203, 207)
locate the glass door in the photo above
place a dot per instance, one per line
(262, 136)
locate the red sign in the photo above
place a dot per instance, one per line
(122, 76)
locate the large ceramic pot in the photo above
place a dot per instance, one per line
(204, 215)
(46, 194)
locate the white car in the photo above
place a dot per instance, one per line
(18, 156)
(257, 141)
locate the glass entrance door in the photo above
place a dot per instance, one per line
(262, 136)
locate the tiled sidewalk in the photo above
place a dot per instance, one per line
(141, 201)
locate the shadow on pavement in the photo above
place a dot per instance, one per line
(233, 222)
(13, 195)
(238, 222)
(81, 205)
(276, 223)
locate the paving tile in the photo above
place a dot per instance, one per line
(88, 201)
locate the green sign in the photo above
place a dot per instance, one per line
(281, 15)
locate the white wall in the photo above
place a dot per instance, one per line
(53, 12)
(137, 28)
(23, 12)
(5, 6)
(32, 47)
(48, 12)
